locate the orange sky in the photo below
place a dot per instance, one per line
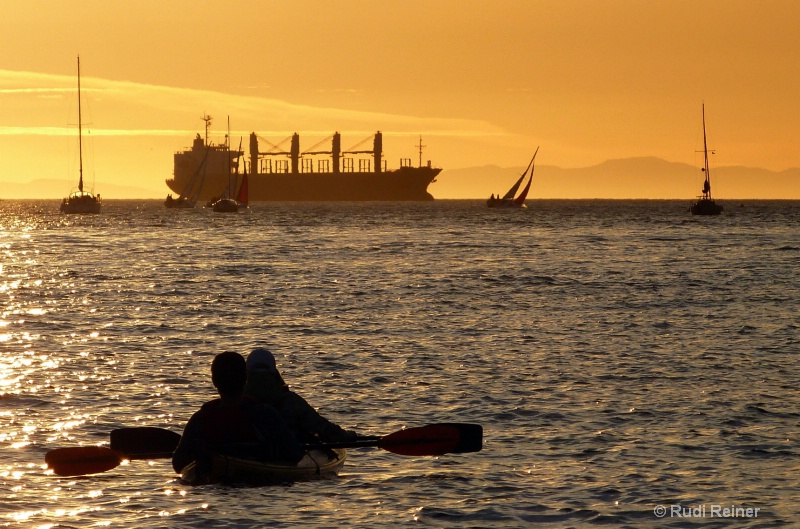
(483, 82)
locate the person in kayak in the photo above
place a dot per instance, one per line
(265, 384)
(234, 424)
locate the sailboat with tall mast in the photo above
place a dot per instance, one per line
(508, 200)
(227, 203)
(80, 201)
(705, 205)
(188, 197)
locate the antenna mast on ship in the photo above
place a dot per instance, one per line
(207, 119)
(421, 146)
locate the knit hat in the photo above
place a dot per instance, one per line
(261, 359)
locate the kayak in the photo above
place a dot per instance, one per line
(315, 464)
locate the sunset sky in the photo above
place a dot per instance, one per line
(483, 82)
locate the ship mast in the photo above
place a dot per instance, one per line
(420, 150)
(207, 119)
(228, 153)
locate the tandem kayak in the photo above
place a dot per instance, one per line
(229, 469)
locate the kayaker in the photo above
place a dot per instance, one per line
(265, 384)
(234, 424)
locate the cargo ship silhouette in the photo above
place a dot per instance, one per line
(207, 170)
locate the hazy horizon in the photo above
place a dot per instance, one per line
(631, 178)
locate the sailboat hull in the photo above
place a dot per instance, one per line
(706, 206)
(81, 203)
(503, 203)
(178, 203)
(225, 205)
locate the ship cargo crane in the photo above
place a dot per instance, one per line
(336, 152)
(275, 149)
(311, 150)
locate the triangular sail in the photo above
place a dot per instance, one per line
(241, 197)
(192, 191)
(520, 200)
(513, 191)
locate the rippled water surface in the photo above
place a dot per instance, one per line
(620, 355)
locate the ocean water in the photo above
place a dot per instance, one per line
(631, 365)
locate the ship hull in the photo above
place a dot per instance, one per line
(404, 184)
(208, 171)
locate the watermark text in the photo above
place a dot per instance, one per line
(711, 510)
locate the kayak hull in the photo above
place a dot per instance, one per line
(315, 464)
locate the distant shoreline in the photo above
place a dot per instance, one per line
(645, 178)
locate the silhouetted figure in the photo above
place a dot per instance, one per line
(265, 384)
(234, 425)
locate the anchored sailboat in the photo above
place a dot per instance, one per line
(188, 198)
(80, 201)
(228, 204)
(508, 199)
(705, 204)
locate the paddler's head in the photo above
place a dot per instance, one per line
(262, 362)
(261, 359)
(229, 373)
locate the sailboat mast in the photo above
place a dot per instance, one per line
(228, 152)
(80, 132)
(707, 185)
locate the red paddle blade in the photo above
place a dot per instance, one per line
(81, 460)
(434, 440)
(145, 442)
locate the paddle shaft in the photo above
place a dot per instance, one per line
(433, 439)
(158, 443)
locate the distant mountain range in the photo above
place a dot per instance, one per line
(648, 178)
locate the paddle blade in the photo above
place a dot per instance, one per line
(145, 442)
(434, 440)
(81, 460)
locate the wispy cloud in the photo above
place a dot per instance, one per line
(134, 109)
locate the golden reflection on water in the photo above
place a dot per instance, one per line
(93, 338)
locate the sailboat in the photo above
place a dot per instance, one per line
(80, 201)
(188, 198)
(232, 205)
(508, 199)
(705, 205)
(227, 204)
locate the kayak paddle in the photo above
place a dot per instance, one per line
(430, 440)
(82, 460)
(125, 443)
(142, 442)
(156, 443)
